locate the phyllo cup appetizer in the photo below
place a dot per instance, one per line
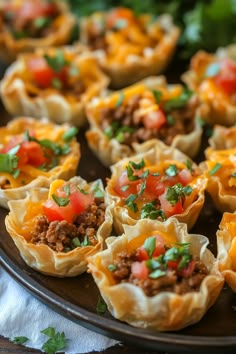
(213, 77)
(220, 170)
(129, 47)
(157, 276)
(159, 183)
(143, 112)
(56, 229)
(53, 83)
(226, 246)
(32, 154)
(26, 25)
(223, 137)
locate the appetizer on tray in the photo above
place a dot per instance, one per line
(129, 47)
(32, 154)
(223, 137)
(213, 78)
(220, 170)
(148, 110)
(157, 276)
(53, 83)
(226, 243)
(56, 230)
(26, 25)
(158, 183)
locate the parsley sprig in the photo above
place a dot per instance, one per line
(57, 341)
(177, 193)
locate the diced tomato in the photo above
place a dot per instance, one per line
(154, 119)
(78, 202)
(43, 74)
(31, 153)
(160, 246)
(141, 254)
(171, 180)
(188, 271)
(226, 79)
(30, 10)
(185, 177)
(118, 14)
(139, 270)
(173, 264)
(125, 187)
(168, 208)
(154, 185)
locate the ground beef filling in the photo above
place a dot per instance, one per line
(169, 282)
(61, 235)
(181, 122)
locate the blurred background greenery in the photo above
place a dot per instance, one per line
(205, 24)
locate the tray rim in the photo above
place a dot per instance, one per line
(111, 327)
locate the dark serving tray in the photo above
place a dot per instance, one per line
(76, 298)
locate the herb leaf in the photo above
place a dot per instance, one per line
(120, 99)
(57, 341)
(60, 201)
(101, 306)
(70, 134)
(150, 245)
(215, 168)
(177, 193)
(171, 171)
(178, 102)
(157, 95)
(57, 62)
(20, 340)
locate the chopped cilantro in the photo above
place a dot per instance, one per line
(178, 102)
(20, 340)
(57, 62)
(66, 189)
(157, 274)
(150, 245)
(42, 21)
(157, 95)
(70, 134)
(101, 306)
(215, 168)
(233, 175)
(57, 341)
(60, 201)
(189, 166)
(56, 83)
(171, 171)
(111, 267)
(120, 99)
(177, 193)
(149, 210)
(212, 69)
(85, 241)
(76, 242)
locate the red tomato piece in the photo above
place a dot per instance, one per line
(125, 187)
(188, 271)
(31, 153)
(140, 270)
(43, 74)
(173, 264)
(118, 14)
(154, 119)
(226, 79)
(185, 177)
(154, 185)
(78, 202)
(171, 180)
(168, 208)
(33, 9)
(141, 254)
(160, 246)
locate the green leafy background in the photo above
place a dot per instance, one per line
(205, 24)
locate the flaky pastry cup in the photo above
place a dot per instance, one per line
(30, 177)
(60, 33)
(226, 243)
(165, 311)
(110, 151)
(223, 137)
(219, 169)
(157, 157)
(140, 48)
(21, 95)
(19, 223)
(217, 107)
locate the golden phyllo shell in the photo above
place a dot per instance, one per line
(23, 217)
(220, 170)
(53, 83)
(17, 36)
(165, 310)
(125, 43)
(226, 243)
(212, 77)
(56, 156)
(139, 185)
(223, 137)
(146, 111)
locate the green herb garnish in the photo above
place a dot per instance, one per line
(101, 306)
(171, 171)
(215, 168)
(150, 245)
(20, 340)
(70, 134)
(178, 102)
(60, 201)
(177, 193)
(157, 95)
(111, 267)
(57, 341)
(120, 99)
(58, 62)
